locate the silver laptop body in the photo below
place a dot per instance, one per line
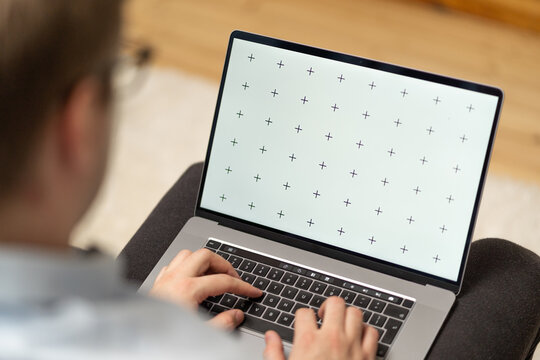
(347, 168)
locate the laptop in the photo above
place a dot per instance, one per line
(330, 174)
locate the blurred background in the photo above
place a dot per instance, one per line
(164, 126)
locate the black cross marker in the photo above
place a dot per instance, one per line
(234, 142)
(340, 231)
(274, 93)
(228, 169)
(335, 107)
(359, 143)
(443, 229)
(353, 173)
(423, 160)
(470, 108)
(223, 198)
(245, 85)
(304, 100)
(403, 249)
(397, 122)
(317, 194)
(280, 64)
(328, 136)
(310, 222)
(298, 129)
(341, 78)
(365, 114)
(292, 157)
(257, 178)
(417, 190)
(430, 130)
(322, 165)
(372, 240)
(239, 113)
(262, 150)
(268, 121)
(404, 92)
(456, 168)
(391, 152)
(450, 198)
(378, 210)
(286, 185)
(384, 181)
(463, 138)
(251, 206)
(251, 57)
(437, 100)
(437, 258)
(347, 202)
(372, 85)
(410, 219)
(310, 71)
(280, 213)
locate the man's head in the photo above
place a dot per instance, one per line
(56, 60)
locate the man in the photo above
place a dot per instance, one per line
(56, 62)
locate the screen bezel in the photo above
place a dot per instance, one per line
(330, 250)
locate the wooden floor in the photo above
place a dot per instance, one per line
(192, 36)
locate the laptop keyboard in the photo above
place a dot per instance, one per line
(288, 288)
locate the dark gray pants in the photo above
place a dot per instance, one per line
(496, 316)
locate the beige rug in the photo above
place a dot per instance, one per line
(164, 127)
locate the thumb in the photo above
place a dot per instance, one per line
(274, 346)
(227, 320)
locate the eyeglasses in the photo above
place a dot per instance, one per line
(131, 67)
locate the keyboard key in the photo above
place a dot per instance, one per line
(328, 279)
(262, 326)
(299, 270)
(249, 278)
(235, 261)
(317, 287)
(332, 291)
(286, 305)
(313, 275)
(223, 255)
(285, 319)
(289, 278)
(271, 314)
(213, 244)
(367, 315)
(206, 305)
(289, 292)
(303, 283)
(377, 305)
(229, 249)
(408, 303)
(381, 350)
(215, 299)
(317, 301)
(261, 270)
(228, 300)
(378, 320)
(391, 298)
(257, 309)
(275, 274)
(261, 283)
(304, 297)
(247, 265)
(299, 306)
(392, 327)
(275, 288)
(348, 296)
(285, 266)
(218, 309)
(242, 304)
(362, 301)
(271, 300)
(380, 331)
(396, 311)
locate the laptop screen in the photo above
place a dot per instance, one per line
(378, 161)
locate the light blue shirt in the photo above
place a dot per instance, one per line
(56, 306)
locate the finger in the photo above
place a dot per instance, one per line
(204, 261)
(179, 258)
(227, 320)
(274, 346)
(333, 312)
(305, 322)
(369, 342)
(217, 284)
(353, 323)
(161, 272)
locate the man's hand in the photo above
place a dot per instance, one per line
(343, 335)
(191, 277)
